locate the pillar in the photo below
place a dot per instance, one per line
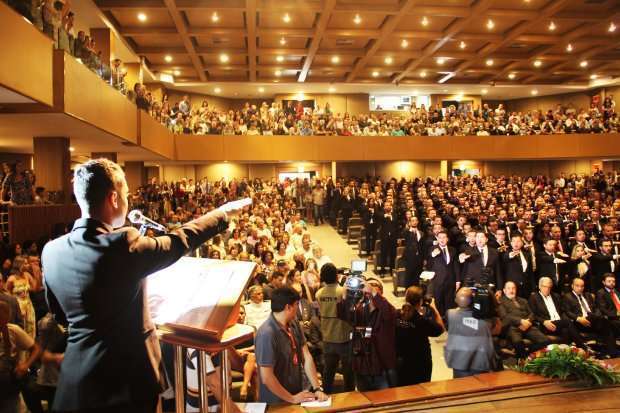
(52, 166)
(445, 168)
(108, 155)
(334, 170)
(133, 74)
(104, 42)
(135, 173)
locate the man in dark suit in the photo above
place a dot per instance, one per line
(481, 257)
(579, 307)
(517, 267)
(518, 321)
(547, 310)
(414, 259)
(95, 276)
(608, 302)
(442, 260)
(550, 264)
(603, 262)
(388, 234)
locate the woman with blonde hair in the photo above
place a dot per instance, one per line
(579, 266)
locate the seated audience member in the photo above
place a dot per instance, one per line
(415, 323)
(283, 356)
(469, 349)
(579, 308)
(518, 321)
(276, 281)
(13, 340)
(374, 324)
(608, 302)
(547, 310)
(257, 310)
(336, 333)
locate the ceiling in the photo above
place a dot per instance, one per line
(8, 96)
(373, 42)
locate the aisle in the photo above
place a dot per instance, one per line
(341, 253)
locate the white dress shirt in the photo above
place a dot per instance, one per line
(553, 312)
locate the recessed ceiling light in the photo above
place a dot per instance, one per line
(593, 76)
(423, 73)
(424, 21)
(261, 89)
(490, 24)
(388, 60)
(286, 18)
(224, 58)
(612, 27)
(71, 149)
(217, 90)
(489, 62)
(177, 72)
(511, 75)
(331, 89)
(375, 74)
(552, 26)
(534, 92)
(280, 58)
(357, 19)
(583, 63)
(278, 73)
(462, 45)
(441, 60)
(404, 44)
(484, 91)
(283, 41)
(168, 58)
(142, 17)
(537, 63)
(215, 17)
(335, 59)
(569, 47)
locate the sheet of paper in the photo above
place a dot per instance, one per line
(252, 407)
(316, 403)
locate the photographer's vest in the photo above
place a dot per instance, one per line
(470, 343)
(333, 329)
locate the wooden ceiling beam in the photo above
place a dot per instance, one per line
(181, 26)
(250, 24)
(387, 28)
(317, 37)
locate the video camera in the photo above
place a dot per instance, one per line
(355, 283)
(483, 300)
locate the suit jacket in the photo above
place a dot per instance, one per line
(601, 264)
(511, 314)
(605, 304)
(472, 267)
(512, 270)
(571, 307)
(444, 273)
(547, 268)
(95, 276)
(539, 309)
(388, 229)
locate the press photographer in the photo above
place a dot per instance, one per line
(374, 322)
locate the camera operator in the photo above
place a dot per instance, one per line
(374, 323)
(469, 349)
(415, 323)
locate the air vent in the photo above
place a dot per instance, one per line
(518, 46)
(344, 42)
(219, 40)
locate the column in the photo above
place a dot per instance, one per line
(104, 41)
(108, 155)
(445, 168)
(135, 173)
(52, 166)
(334, 170)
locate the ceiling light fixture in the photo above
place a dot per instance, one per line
(462, 45)
(375, 74)
(593, 76)
(569, 47)
(612, 27)
(583, 63)
(489, 62)
(286, 18)
(552, 26)
(280, 59)
(217, 90)
(537, 63)
(168, 58)
(331, 89)
(224, 58)
(404, 43)
(71, 149)
(484, 91)
(282, 41)
(177, 72)
(261, 89)
(335, 59)
(511, 75)
(424, 21)
(215, 17)
(278, 73)
(534, 92)
(441, 60)
(446, 78)
(423, 73)
(357, 19)
(142, 17)
(388, 60)
(490, 24)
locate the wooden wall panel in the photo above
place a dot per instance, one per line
(33, 222)
(92, 100)
(26, 56)
(155, 137)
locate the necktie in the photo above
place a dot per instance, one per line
(584, 305)
(615, 299)
(443, 253)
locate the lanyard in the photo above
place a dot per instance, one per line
(293, 346)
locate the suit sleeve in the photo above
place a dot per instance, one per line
(568, 308)
(536, 316)
(507, 318)
(604, 306)
(54, 306)
(154, 254)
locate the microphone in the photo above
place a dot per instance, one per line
(136, 217)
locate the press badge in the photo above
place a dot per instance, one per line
(471, 323)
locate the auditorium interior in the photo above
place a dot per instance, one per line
(345, 121)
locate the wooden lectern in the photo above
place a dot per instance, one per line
(195, 304)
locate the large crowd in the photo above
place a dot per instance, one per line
(292, 118)
(523, 236)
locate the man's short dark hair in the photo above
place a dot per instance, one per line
(329, 273)
(608, 275)
(281, 297)
(93, 180)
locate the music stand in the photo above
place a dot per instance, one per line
(195, 302)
